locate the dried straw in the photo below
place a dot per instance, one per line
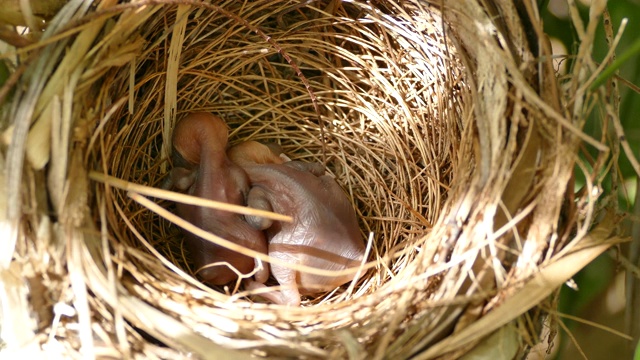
(445, 122)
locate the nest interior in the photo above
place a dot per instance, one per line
(374, 118)
(437, 129)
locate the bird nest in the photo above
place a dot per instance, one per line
(445, 123)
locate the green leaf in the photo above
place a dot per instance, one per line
(610, 70)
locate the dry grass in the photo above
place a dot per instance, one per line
(457, 151)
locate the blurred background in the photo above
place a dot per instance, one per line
(599, 294)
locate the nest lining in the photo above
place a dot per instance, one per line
(381, 129)
(395, 168)
(396, 118)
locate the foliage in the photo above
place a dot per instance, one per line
(595, 279)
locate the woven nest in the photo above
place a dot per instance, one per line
(447, 127)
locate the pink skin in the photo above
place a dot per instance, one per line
(202, 168)
(324, 233)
